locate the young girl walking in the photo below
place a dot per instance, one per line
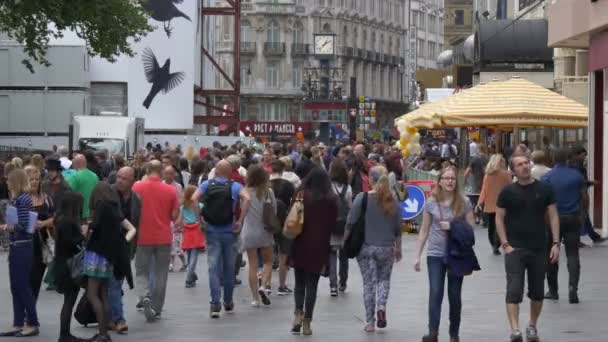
(193, 238)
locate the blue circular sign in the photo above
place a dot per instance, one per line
(414, 203)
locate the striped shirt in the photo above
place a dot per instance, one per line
(23, 203)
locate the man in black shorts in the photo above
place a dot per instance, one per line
(520, 224)
(283, 191)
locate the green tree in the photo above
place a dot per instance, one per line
(107, 26)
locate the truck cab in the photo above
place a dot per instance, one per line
(113, 133)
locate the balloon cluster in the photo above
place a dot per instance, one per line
(409, 141)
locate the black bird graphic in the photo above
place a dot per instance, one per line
(164, 11)
(160, 78)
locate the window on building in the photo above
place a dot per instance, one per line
(245, 74)
(355, 38)
(414, 18)
(372, 8)
(459, 17)
(227, 28)
(272, 75)
(422, 20)
(327, 28)
(420, 48)
(432, 26)
(344, 36)
(272, 111)
(244, 113)
(246, 31)
(273, 33)
(298, 33)
(296, 75)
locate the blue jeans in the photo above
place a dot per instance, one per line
(221, 259)
(192, 258)
(20, 261)
(117, 314)
(437, 275)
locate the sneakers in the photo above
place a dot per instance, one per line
(229, 308)
(296, 327)
(121, 328)
(170, 267)
(264, 296)
(342, 288)
(552, 295)
(333, 292)
(284, 291)
(214, 311)
(148, 310)
(369, 328)
(516, 336)
(532, 334)
(381, 319)
(573, 296)
(140, 305)
(432, 337)
(255, 304)
(190, 284)
(268, 290)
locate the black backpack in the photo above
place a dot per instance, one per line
(343, 210)
(217, 203)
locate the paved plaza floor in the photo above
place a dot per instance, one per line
(186, 316)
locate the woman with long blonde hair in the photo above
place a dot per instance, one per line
(445, 204)
(495, 179)
(382, 245)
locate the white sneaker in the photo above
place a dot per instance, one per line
(255, 304)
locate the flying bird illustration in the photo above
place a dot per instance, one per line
(160, 78)
(164, 11)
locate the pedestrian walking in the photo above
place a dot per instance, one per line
(83, 181)
(446, 205)
(310, 250)
(69, 241)
(381, 247)
(284, 191)
(570, 191)
(496, 178)
(520, 224)
(169, 175)
(193, 237)
(337, 258)
(220, 198)
(539, 169)
(255, 239)
(130, 205)
(20, 258)
(159, 207)
(107, 253)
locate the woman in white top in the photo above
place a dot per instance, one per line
(339, 179)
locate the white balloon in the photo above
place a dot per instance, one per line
(405, 135)
(415, 138)
(410, 147)
(401, 124)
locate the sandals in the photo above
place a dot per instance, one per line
(34, 332)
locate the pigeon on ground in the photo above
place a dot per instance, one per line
(160, 78)
(164, 11)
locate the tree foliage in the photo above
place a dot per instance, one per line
(107, 26)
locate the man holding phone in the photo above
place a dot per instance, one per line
(520, 224)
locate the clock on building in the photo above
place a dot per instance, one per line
(325, 44)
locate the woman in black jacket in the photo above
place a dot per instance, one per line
(69, 241)
(107, 252)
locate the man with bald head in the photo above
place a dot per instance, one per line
(83, 181)
(130, 205)
(159, 207)
(220, 197)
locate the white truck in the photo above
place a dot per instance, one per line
(115, 134)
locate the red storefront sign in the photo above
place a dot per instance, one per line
(258, 128)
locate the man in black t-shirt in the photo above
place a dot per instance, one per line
(520, 224)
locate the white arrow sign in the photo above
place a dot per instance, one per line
(411, 206)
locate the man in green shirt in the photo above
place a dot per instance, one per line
(83, 181)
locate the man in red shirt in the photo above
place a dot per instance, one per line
(159, 207)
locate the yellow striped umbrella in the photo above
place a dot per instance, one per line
(505, 104)
(513, 103)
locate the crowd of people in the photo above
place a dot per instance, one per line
(97, 215)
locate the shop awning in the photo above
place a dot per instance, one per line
(513, 103)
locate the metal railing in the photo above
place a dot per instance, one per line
(299, 49)
(274, 49)
(248, 48)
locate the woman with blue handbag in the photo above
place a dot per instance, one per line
(20, 258)
(446, 204)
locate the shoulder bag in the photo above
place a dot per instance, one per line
(269, 216)
(295, 219)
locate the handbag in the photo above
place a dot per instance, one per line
(295, 219)
(355, 234)
(269, 216)
(48, 248)
(76, 266)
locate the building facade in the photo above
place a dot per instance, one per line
(280, 71)
(583, 25)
